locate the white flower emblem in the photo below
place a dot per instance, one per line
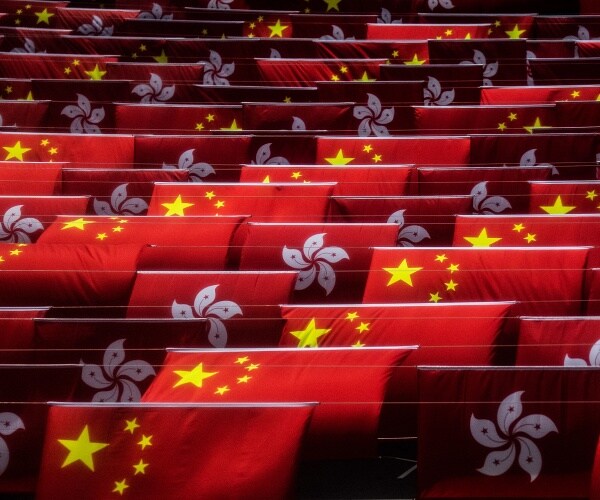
(28, 48)
(409, 235)
(17, 230)
(263, 157)
(582, 34)
(116, 377)
(489, 70)
(434, 96)
(529, 160)
(85, 119)
(446, 4)
(275, 54)
(215, 72)
(337, 34)
(120, 204)
(298, 124)
(373, 118)
(594, 357)
(317, 264)
(155, 13)
(206, 307)
(512, 438)
(154, 92)
(219, 4)
(96, 28)
(386, 17)
(197, 171)
(484, 204)
(9, 423)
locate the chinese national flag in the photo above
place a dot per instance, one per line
(172, 451)
(104, 22)
(538, 94)
(544, 280)
(17, 326)
(424, 31)
(34, 14)
(500, 25)
(565, 197)
(54, 66)
(507, 432)
(349, 385)
(403, 51)
(555, 341)
(241, 306)
(180, 28)
(578, 115)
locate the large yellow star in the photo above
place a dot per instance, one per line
(365, 78)
(194, 377)
(536, 125)
(558, 208)
(339, 159)
(81, 449)
(43, 16)
(162, 58)
(515, 32)
(77, 224)
(415, 61)
(96, 73)
(277, 29)
(177, 207)
(15, 151)
(332, 4)
(309, 337)
(483, 240)
(401, 273)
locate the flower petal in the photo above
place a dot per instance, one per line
(326, 277)
(510, 410)
(374, 104)
(263, 154)
(568, 361)
(293, 258)
(595, 354)
(224, 309)
(379, 130)
(181, 311)
(364, 129)
(97, 115)
(12, 215)
(72, 111)
(118, 196)
(90, 128)
(84, 104)
(114, 356)
(227, 70)
(528, 159)
(29, 225)
(110, 396)
(200, 170)
(397, 218)
(204, 298)
(9, 423)
(136, 369)
(386, 116)
(434, 87)
(479, 193)
(217, 333)
(498, 462)
(485, 433)
(298, 124)
(77, 125)
(134, 206)
(156, 83)
(4, 456)
(490, 70)
(446, 98)
(93, 376)
(530, 458)
(215, 59)
(331, 254)
(102, 207)
(495, 204)
(142, 90)
(360, 112)
(305, 278)
(535, 426)
(479, 57)
(312, 244)
(414, 234)
(166, 94)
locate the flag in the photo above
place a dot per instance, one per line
(330, 26)
(567, 71)
(595, 482)
(15, 88)
(397, 93)
(97, 451)
(576, 27)
(241, 306)
(30, 178)
(331, 259)
(103, 22)
(24, 115)
(539, 94)
(542, 280)
(349, 385)
(565, 197)
(282, 149)
(424, 31)
(400, 51)
(500, 25)
(555, 341)
(578, 115)
(498, 6)
(587, 48)
(54, 66)
(17, 326)
(234, 94)
(169, 74)
(593, 291)
(181, 28)
(507, 432)
(33, 14)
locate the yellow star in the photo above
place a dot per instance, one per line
(75, 62)
(415, 61)
(365, 78)
(339, 159)
(199, 126)
(117, 229)
(16, 151)
(367, 148)
(210, 118)
(309, 337)
(29, 96)
(19, 12)
(81, 449)
(351, 316)
(591, 195)
(219, 204)
(194, 377)
(252, 366)
(332, 4)
(222, 390)
(242, 360)
(296, 175)
(120, 486)
(441, 258)
(96, 73)
(67, 71)
(177, 207)
(243, 380)
(233, 126)
(287, 99)
(1, 258)
(451, 285)
(145, 442)
(468, 36)
(43, 16)
(16, 252)
(395, 53)
(448, 32)
(401, 273)
(77, 224)
(502, 127)
(44, 142)
(530, 238)
(363, 327)
(17, 21)
(140, 467)
(482, 240)
(260, 19)
(143, 48)
(512, 117)
(376, 158)
(210, 195)
(53, 151)
(205, 31)
(358, 343)
(515, 32)
(536, 125)
(575, 94)
(435, 297)
(134, 55)
(452, 268)
(344, 69)
(131, 425)
(335, 78)
(252, 26)
(267, 180)
(162, 58)
(250, 35)
(277, 29)
(518, 227)
(497, 24)
(558, 208)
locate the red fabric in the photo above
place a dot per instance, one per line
(142, 72)
(234, 94)
(104, 22)
(282, 149)
(571, 71)
(595, 482)
(331, 26)
(230, 454)
(24, 115)
(499, 24)
(336, 118)
(539, 94)
(181, 28)
(507, 432)
(53, 66)
(19, 15)
(349, 384)
(544, 281)
(575, 196)
(570, 27)
(593, 286)
(426, 31)
(398, 93)
(18, 333)
(581, 116)
(399, 51)
(30, 178)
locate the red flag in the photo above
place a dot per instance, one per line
(402, 51)
(104, 22)
(30, 178)
(235, 94)
(24, 115)
(54, 66)
(539, 94)
(348, 383)
(504, 25)
(567, 71)
(566, 197)
(575, 27)
(17, 326)
(595, 483)
(331, 26)
(578, 115)
(427, 31)
(181, 28)
(593, 303)
(507, 432)
(398, 93)
(142, 72)
(95, 451)
(33, 14)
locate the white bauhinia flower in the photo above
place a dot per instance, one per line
(219, 4)
(154, 92)
(155, 13)
(433, 95)
(446, 4)
(120, 204)
(386, 17)
(336, 34)
(489, 69)
(116, 378)
(85, 120)
(484, 204)
(594, 357)
(96, 28)
(373, 118)
(9, 423)
(263, 157)
(215, 72)
(407, 235)
(215, 312)
(15, 229)
(528, 159)
(28, 48)
(583, 34)
(514, 437)
(197, 171)
(314, 261)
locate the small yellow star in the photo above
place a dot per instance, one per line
(358, 344)
(482, 240)
(287, 100)
(131, 425)
(335, 78)
(8, 89)
(196, 376)
(219, 204)
(376, 158)
(43, 16)
(244, 379)
(435, 297)
(52, 151)
(363, 327)
(512, 117)
(451, 286)
(339, 159)
(351, 316)
(365, 78)
(452, 268)
(162, 58)
(252, 366)
(145, 442)
(120, 486)
(96, 73)
(252, 26)
(591, 195)
(515, 32)
(415, 61)
(296, 175)
(16, 252)
(242, 360)
(277, 29)
(17, 21)
(210, 118)
(210, 195)
(332, 5)
(222, 390)
(134, 56)
(67, 71)
(518, 227)
(16, 151)
(448, 32)
(75, 62)
(441, 258)
(140, 467)
(232, 127)
(401, 273)
(260, 19)
(177, 207)
(502, 127)
(199, 126)
(344, 69)
(575, 94)
(77, 224)
(395, 53)
(529, 238)
(497, 24)
(101, 236)
(143, 48)
(44, 142)
(558, 208)
(367, 148)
